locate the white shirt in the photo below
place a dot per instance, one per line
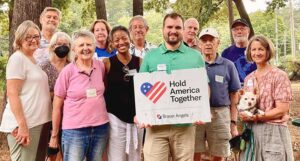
(34, 95)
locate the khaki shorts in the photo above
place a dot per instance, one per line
(178, 141)
(216, 134)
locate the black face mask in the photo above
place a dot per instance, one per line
(62, 51)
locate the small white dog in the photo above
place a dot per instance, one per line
(247, 103)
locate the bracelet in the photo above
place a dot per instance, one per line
(233, 122)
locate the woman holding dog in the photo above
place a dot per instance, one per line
(271, 137)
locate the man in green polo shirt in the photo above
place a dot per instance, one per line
(176, 140)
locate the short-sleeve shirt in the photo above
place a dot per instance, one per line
(81, 110)
(181, 58)
(101, 53)
(238, 57)
(51, 72)
(141, 53)
(223, 79)
(34, 95)
(273, 86)
(42, 53)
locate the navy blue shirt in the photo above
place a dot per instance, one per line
(223, 79)
(238, 57)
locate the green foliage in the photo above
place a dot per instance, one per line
(291, 66)
(202, 10)
(276, 4)
(3, 62)
(76, 16)
(117, 9)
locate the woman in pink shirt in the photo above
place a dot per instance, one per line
(79, 103)
(271, 138)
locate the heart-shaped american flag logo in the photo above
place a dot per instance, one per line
(153, 92)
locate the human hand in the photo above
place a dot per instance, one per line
(140, 125)
(53, 143)
(233, 130)
(21, 135)
(199, 123)
(246, 117)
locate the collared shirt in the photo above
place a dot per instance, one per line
(223, 79)
(42, 53)
(181, 58)
(238, 57)
(141, 53)
(73, 85)
(194, 45)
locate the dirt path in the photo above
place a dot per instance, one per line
(295, 131)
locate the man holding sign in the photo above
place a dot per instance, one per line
(224, 84)
(177, 140)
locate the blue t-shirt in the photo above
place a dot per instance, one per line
(238, 57)
(102, 53)
(223, 79)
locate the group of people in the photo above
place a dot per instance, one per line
(76, 95)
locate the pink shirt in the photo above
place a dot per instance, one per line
(273, 86)
(80, 110)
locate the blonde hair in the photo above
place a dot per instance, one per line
(265, 42)
(53, 41)
(108, 29)
(51, 9)
(21, 32)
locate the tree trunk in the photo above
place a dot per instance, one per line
(230, 18)
(137, 7)
(243, 14)
(100, 9)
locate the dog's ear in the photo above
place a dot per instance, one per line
(241, 92)
(255, 91)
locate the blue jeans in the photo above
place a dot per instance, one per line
(89, 143)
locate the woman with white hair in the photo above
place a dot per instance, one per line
(59, 57)
(79, 103)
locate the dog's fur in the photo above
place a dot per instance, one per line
(248, 102)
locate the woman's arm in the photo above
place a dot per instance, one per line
(14, 87)
(281, 108)
(56, 119)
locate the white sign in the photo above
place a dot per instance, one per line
(176, 98)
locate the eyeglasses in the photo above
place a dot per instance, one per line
(126, 77)
(30, 38)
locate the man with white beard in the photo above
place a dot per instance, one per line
(236, 52)
(49, 19)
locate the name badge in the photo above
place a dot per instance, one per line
(250, 83)
(161, 67)
(219, 78)
(131, 72)
(91, 93)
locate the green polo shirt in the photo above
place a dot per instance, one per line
(181, 58)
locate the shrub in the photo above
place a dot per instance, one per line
(291, 66)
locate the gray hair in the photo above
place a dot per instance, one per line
(83, 33)
(53, 41)
(51, 9)
(138, 18)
